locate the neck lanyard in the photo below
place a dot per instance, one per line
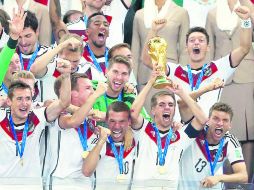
(85, 20)
(24, 136)
(31, 60)
(162, 154)
(213, 164)
(190, 77)
(119, 98)
(83, 137)
(119, 157)
(95, 62)
(4, 87)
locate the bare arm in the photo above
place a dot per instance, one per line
(59, 28)
(137, 105)
(185, 113)
(91, 161)
(239, 53)
(239, 176)
(54, 109)
(39, 68)
(78, 117)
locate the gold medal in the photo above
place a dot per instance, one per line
(21, 161)
(162, 169)
(85, 154)
(120, 177)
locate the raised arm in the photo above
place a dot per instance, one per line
(39, 68)
(91, 161)
(185, 112)
(55, 108)
(137, 105)
(156, 26)
(239, 53)
(16, 26)
(200, 118)
(78, 117)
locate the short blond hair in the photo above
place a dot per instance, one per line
(22, 74)
(71, 35)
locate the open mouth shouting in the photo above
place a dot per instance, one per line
(166, 116)
(196, 50)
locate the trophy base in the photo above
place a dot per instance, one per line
(161, 83)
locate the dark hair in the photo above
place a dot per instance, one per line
(161, 93)
(222, 107)
(116, 47)
(31, 21)
(89, 20)
(4, 17)
(118, 106)
(197, 29)
(17, 85)
(67, 15)
(120, 59)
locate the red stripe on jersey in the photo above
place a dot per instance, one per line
(201, 144)
(109, 152)
(183, 75)
(151, 134)
(89, 130)
(33, 122)
(81, 33)
(56, 73)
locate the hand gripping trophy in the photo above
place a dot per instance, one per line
(157, 50)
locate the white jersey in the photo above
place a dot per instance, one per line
(146, 165)
(49, 78)
(216, 69)
(3, 90)
(38, 84)
(107, 169)
(65, 154)
(11, 165)
(195, 165)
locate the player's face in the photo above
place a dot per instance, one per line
(219, 123)
(125, 52)
(164, 111)
(73, 57)
(20, 105)
(14, 66)
(85, 89)
(27, 41)
(118, 123)
(98, 31)
(117, 76)
(197, 46)
(95, 4)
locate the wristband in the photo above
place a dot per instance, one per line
(246, 23)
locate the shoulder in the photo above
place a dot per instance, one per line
(231, 139)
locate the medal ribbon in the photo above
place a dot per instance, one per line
(24, 136)
(119, 157)
(85, 20)
(83, 137)
(119, 98)
(162, 154)
(190, 77)
(31, 60)
(4, 87)
(213, 165)
(95, 62)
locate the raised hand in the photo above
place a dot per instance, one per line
(129, 88)
(158, 24)
(72, 43)
(215, 84)
(243, 12)
(103, 133)
(63, 66)
(101, 88)
(16, 25)
(97, 115)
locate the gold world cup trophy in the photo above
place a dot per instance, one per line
(157, 50)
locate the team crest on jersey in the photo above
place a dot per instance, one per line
(174, 137)
(207, 71)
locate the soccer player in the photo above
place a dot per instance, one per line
(202, 163)
(160, 147)
(198, 73)
(76, 132)
(21, 127)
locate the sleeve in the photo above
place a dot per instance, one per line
(234, 151)
(5, 57)
(224, 67)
